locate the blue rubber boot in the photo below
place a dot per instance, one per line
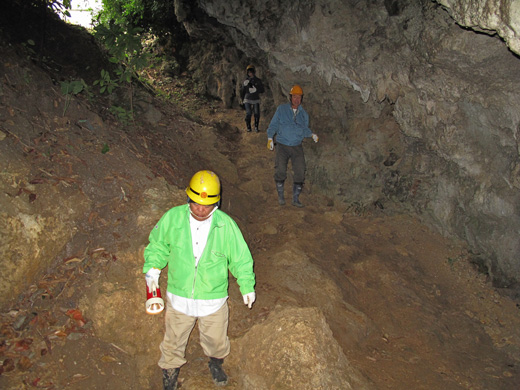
(297, 190)
(281, 196)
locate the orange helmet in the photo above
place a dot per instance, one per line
(296, 90)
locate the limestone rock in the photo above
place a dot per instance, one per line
(489, 16)
(414, 113)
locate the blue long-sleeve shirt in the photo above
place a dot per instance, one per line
(289, 127)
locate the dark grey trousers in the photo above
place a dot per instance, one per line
(250, 109)
(283, 154)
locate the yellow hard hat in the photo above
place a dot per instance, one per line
(250, 68)
(204, 188)
(296, 90)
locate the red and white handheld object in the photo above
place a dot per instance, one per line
(154, 301)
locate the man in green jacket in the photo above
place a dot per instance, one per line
(199, 243)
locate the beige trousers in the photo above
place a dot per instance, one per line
(213, 335)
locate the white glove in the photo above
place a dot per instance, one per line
(270, 144)
(246, 83)
(315, 137)
(152, 278)
(249, 299)
(252, 90)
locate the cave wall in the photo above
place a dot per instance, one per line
(414, 112)
(489, 16)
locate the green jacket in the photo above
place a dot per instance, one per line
(171, 245)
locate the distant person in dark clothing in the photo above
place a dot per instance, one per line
(252, 87)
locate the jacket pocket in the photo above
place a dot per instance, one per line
(214, 275)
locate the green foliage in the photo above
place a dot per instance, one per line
(124, 116)
(155, 16)
(57, 6)
(121, 12)
(121, 41)
(74, 87)
(125, 50)
(106, 83)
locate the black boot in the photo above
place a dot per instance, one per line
(248, 124)
(297, 189)
(257, 121)
(169, 377)
(217, 373)
(281, 196)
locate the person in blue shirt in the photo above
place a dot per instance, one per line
(290, 125)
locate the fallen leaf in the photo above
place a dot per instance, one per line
(23, 345)
(24, 363)
(61, 333)
(91, 216)
(72, 260)
(108, 359)
(76, 315)
(49, 346)
(8, 365)
(77, 378)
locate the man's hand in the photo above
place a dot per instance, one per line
(270, 144)
(152, 278)
(249, 299)
(252, 90)
(315, 137)
(246, 82)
